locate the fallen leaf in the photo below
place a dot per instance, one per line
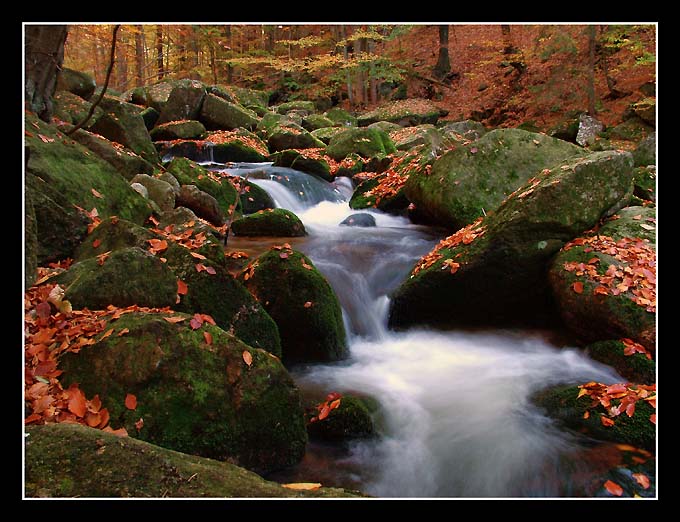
(33, 417)
(208, 337)
(308, 304)
(96, 194)
(106, 334)
(283, 255)
(577, 287)
(174, 319)
(123, 332)
(208, 319)
(652, 418)
(43, 310)
(197, 255)
(101, 258)
(305, 486)
(613, 488)
(182, 287)
(93, 419)
(642, 479)
(45, 139)
(606, 421)
(130, 402)
(210, 270)
(247, 358)
(196, 322)
(324, 412)
(334, 404)
(139, 424)
(76, 402)
(96, 243)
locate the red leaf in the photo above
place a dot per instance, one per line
(43, 310)
(247, 357)
(103, 257)
(613, 488)
(642, 479)
(96, 243)
(308, 304)
(652, 418)
(45, 139)
(196, 322)
(208, 319)
(210, 270)
(200, 267)
(208, 337)
(76, 402)
(130, 402)
(606, 421)
(324, 412)
(182, 287)
(334, 404)
(139, 424)
(577, 287)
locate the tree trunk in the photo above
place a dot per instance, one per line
(159, 51)
(372, 76)
(443, 66)
(345, 55)
(139, 55)
(43, 60)
(590, 30)
(121, 64)
(508, 48)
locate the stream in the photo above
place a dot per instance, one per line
(455, 418)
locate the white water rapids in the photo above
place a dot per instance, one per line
(455, 417)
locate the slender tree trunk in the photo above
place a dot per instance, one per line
(590, 30)
(372, 77)
(43, 60)
(139, 55)
(345, 55)
(159, 51)
(508, 48)
(443, 66)
(121, 62)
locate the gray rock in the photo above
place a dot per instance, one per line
(588, 129)
(158, 190)
(76, 82)
(359, 220)
(184, 102)
(218, 113)
(645, 153)
(172, 180)
(202, 203)
(141, 189)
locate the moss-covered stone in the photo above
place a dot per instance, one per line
(645, 109)
(298, 160)
(427, 135)
(365, 142)
(645, 183)
(645, 153)
(71, 108)
(466, 129)
(634, 368)
(385, 126)
(150, 117)
(633, 129)
(77, 82)
(325, 134)
(203, 204)
(316, 121)
(128, 276)
(563, 404)
(341, 117)
(71, 460)
(254, 198)
(350, 420)
(184, 102)
(291, 136)
(241, 146)
(161, 192)
(297, 105)
(473, 180)
(631, 222)
(301, 302)
(269, 122)
(497, 273)
(189, 172)
(195, 396)
(217, 113)
(178, 130)
(277, 222)
(414, 111)
(250, 97)
(155, 95)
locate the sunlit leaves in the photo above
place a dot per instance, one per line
(302, 486)
(131, 401)
(613, 488)
(642, 479)
(324, 408)
(617, 399)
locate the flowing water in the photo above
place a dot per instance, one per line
(455, 417)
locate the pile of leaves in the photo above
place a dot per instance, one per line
(631, 348)
(464, 236)
(224, 136)
(635, 276)
(186, 237)
(324, 408)
(617, 399)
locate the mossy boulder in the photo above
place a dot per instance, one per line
(195, 396)
(617, 280)
(341, 117)
(161, 192)
(304, 162)
(494, 271)
(250, 97)
(269, 122)
(563, 404)
(325, 134)
(73, 109)
(473, 180)
(184, 102)
(645, 109)
(77, 82)
(645, 183)
(124, 160)
(276, 222)
(301, 302)
(645, 153)
(61, 174)
(188, 172)
(121, 122)
(155, 95)
(203, 204)
(316, 121)
(238, 145)
(291, 136)
(359, 220)
(426, 135)
(385, 126)
(217, 113)
(636, 367)
(178, 130)
(296, 105)
(254, 198)
(414, 111)
(350, 420)
(71, 460)
(464, 130)
(633, 129)
(128, 276)
(365, 142)
(150, 117)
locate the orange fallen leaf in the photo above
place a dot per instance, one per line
(208, 319)
(196, 322)
(93, 419)
(33, 417)
(197, 255)
(652, 418)
(174, 319)
(324, 412)
(334, 404)
(208, 337)
(123, 332)
(76, 402)
(45, 139)
(247, 358)
(577, 287)
(182, 287)
(308, 304)
(304, 486)
(106, 334)
(96, 194)
(101, 258)
(130, 402)
(606, 421)
(642, 479)
(96, 243)
(613, 488)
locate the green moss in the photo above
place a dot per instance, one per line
(365, 142)
(351, 420)
(340, 117)
(299, 161)
(255, 198)
(325, 134)
(561, 403)
(291, 136)
(413, 111)
(632, 222)
(70, 460)
(178, 130)
(634, 368)
(73, 109)
(194, 397)
(276, 222)
(302, 304)
(645, 183)
(298, 105)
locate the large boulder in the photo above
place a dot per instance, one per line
(645, 109)
(301, 302)
(494, 270)
(62, 175)
(310, 161)
(304, 106)
(254, 198)
(277, 222)
(203, 204)
(71, 108)
(326, 133)
(178, 130)
(473, 179)
(237, 146)
(121, 122)
(408, 137)
(77, 82)
(414, 111)
(605, 283)
(60, 459)
(196, 390)
(365, 142)
(125, 277)
(291, 136)
(349, 420)
(340, 117)
(645, 152)
(463, 130)
(184, 102)
(218, 113)
(631, 360)
(161, 192)
(316, 121)
(155, 95)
